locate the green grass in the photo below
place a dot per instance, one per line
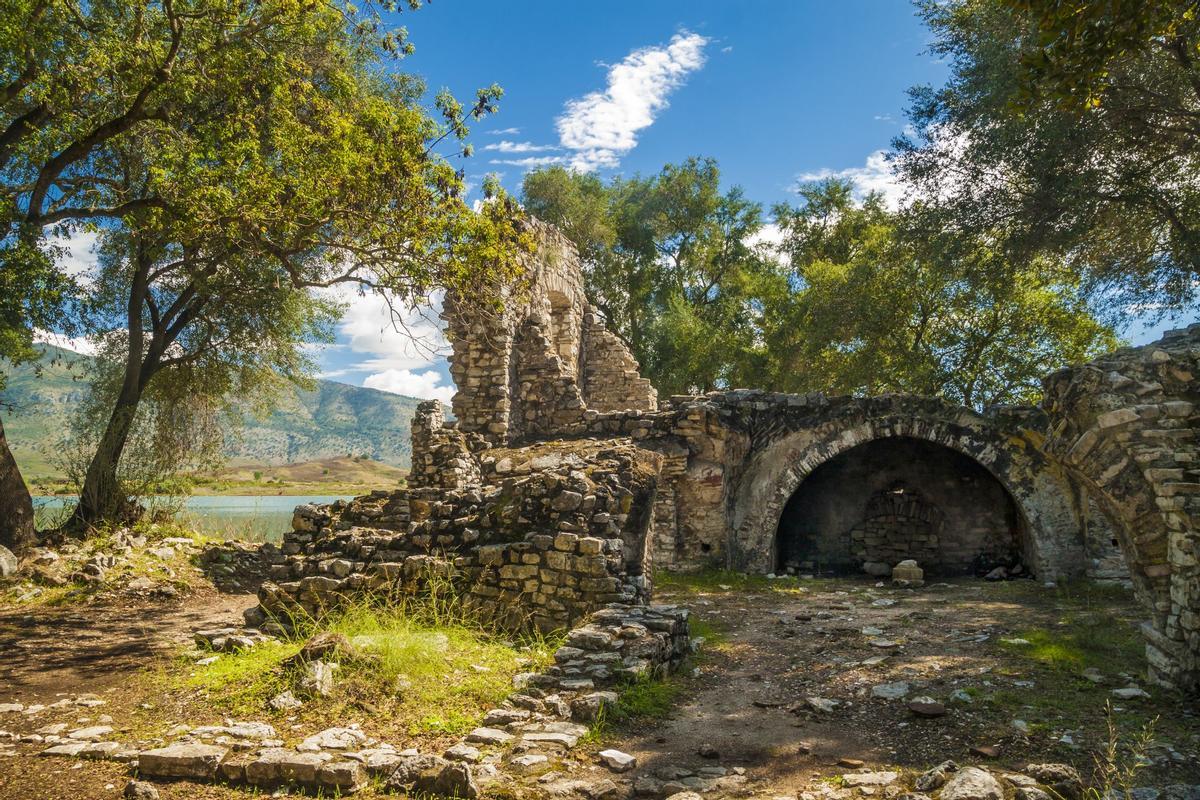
(416, 668)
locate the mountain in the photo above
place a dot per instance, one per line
(333, 419)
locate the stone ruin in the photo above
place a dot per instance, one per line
(563, 480)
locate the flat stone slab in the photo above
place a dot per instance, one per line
(617, 761)
(182, 761)
(489, 736)
(277, 765)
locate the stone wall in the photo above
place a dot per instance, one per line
(532, 370)
(543, 545)
(1125, 426)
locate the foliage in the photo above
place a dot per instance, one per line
(877, 301)
(232, 157)
(669, 261)
(1068, 129)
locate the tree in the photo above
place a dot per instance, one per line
(879, 301)
(234, 157)
(1069, 129)
(668, 259)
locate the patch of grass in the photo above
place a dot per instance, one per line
(414, 667)
(638, 702)
(1080, 642)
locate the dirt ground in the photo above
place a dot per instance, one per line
(777, 644)
(1015, 650)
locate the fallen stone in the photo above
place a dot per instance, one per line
(936, 777)
(972, 783)
(1130, 693)
(890, 691)
(927, 708)
(140, 790)
(334, 739)
(850, 763)
(69, 749)
(93, 732)
(489, 736)
(452, 780)
(706, 750)
(342, 776)
(986, 750)
(318, 678)
(531, 762)
(1064, 779)
(617, 761)
(822, 704)
(182, 761)
(8, 563)
(285, 701)
(277, 765)
(856, 779)
(463, 752)
(11, 708)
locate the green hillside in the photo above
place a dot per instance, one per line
(334, 419)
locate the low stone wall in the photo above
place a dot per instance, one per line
(542, 543)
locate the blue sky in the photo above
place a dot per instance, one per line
(775, 90)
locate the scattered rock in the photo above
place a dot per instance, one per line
(489, 736)
(318, 678)
(822, 704)
(706, 750)
(463, 752)
(890, 691)
(182, 761)
(986, 751)
(452, 780)
(927, 707)
(618, 761)
(1064, 779)
(850, 763)
(972, 783)
(936, 777)
(93, 732)
(1130, 693)
(8, 563)
(285, 701)
(856, 779)
(528, 763)
(140, 790)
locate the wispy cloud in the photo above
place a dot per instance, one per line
(600, 127)
(504, 132)
(506, 146)
(530, 162)
(425, 385)
(874, 176)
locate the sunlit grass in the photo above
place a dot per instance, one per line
(721, 580)
(413, 666)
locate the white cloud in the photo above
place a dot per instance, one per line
(505, 132)
(425, 385)
(75, 253)
(77, 344)
(529, 162)
(874, 176)
(601, 127)
(410, 340)
(506, 146)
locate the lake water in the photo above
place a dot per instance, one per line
(263, 517)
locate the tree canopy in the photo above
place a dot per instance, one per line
(235, 159)
(1069, 129)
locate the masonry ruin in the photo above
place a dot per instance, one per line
(564, 481)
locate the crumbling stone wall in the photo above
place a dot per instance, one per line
(533, 370)
(1125, 426)
(544, 547)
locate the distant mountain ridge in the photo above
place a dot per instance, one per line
(333, 419)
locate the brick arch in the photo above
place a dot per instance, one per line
(1125, 426)
(781, 461)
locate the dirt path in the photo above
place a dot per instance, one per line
(750, 703)
(87, 649)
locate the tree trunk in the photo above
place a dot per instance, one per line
(16, 506)
(101, 498)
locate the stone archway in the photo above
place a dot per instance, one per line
(898, 498)
(778, 466)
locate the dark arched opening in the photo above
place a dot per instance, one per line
(897, 498)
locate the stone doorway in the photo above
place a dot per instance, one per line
(897, 498)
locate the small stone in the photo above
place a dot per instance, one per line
(452, 780)
(140, 790)
(285, 701)
(706, 750)
(927, 707)
(528, 763)
(463, 752)
(986, 750)
(94, 732)
(617, 761)
(1130, 693)
(318, 678)
(936, 777)
(972, 783)
(489, 736)
(850, 763)
(890, 691)
(856, 779)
